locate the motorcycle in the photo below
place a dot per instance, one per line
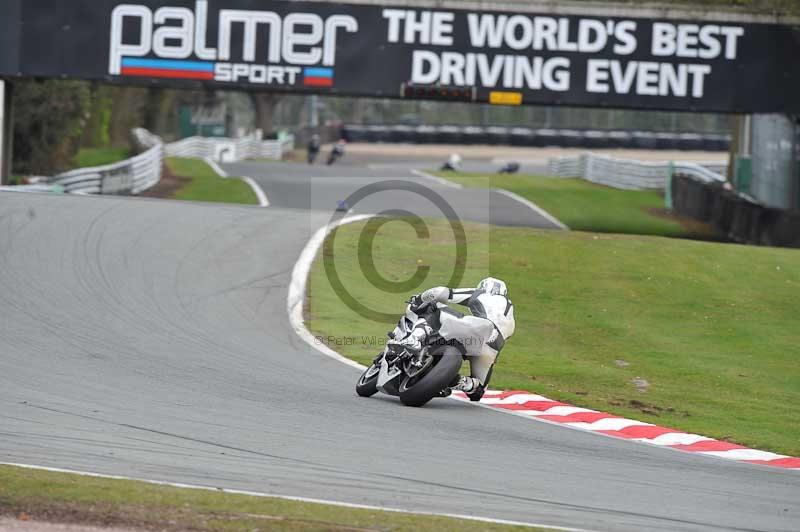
(415, 378)
(337, 152)
(314, 147)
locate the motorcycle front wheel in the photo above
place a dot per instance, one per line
(367, 384)
(421, 387)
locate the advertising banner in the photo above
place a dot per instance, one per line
(388, 51)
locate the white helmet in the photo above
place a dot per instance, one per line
(493, 286)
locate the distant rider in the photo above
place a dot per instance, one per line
(314, 145)
(337, 151)
(483, 334)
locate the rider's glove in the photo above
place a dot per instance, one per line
(419, 335)
(420, 301)
(417, 303)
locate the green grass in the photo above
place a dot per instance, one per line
(585, 206)
(711, 327)
(88, 157)
(58, 497)
(206, 185)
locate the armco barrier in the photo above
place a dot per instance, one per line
(229, 150)
(734, 216)
(130, 176)
(137, 174)
(628, 174)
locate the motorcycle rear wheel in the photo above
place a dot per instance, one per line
(418, 390)
(367, 384)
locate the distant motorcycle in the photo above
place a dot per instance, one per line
(453, 164)
(337, 152)
(510, 168)
(415, 378)
(313, 149)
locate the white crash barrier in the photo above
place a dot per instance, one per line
(130, 176)
(137, 174)
(230, 150)
(630, 174)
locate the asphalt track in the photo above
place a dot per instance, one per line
(320, 187)
(150, 339)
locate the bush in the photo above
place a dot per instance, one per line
(48, 123)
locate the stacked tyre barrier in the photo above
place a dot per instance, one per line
(629, 174)
(734, 216)
(542, 137)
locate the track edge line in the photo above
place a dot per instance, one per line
(292, 497)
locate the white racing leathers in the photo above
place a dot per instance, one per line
(483, 334)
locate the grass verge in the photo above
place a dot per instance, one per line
(693, 335)
(88, 157)
(198, 182)
(585, 206)
(70, 498)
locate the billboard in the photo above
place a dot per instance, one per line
(389, 51)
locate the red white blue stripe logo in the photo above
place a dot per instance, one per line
(166, 68)
(318, 77)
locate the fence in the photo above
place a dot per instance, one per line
(630, 174)
(130, 176)
(230, 150)
(143, 171)
(734, 216)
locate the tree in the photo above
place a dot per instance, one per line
(264, 106)
(49, 117)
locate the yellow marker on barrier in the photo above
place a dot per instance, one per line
(505, 98)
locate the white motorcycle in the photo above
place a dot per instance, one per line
(416, 378)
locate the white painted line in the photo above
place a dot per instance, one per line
(293, 498)
(296, 300)
(437, 179)
(263, 200)
(217, 168)
(297, 290)
(535, 208)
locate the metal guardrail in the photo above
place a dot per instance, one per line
(229, 150)
(137, 174)
(630, 174)
(130, 176)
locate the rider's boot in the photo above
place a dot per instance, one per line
(469, 385)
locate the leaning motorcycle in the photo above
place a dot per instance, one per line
(415, 378)
(337, 152)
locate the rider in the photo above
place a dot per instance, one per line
(314, 145)
(492, 323)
